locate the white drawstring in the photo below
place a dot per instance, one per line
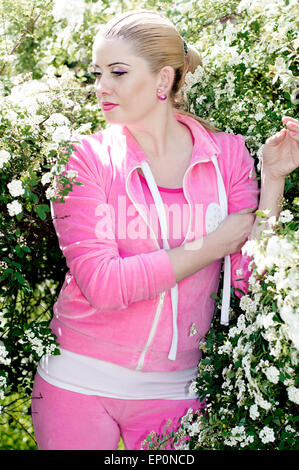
(224, 318)
(163, 223)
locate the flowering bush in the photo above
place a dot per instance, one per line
(37, 119)
(246, 83)
(248, 376)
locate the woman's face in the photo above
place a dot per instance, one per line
(125, 87)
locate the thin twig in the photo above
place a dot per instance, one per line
(22, 426)
(30, 26)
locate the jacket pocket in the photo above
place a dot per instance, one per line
(71, 303)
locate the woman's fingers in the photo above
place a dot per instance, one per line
(292, 126)
(277, 138)
(286, 119)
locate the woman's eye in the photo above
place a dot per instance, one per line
(119, 73)
(115, 72)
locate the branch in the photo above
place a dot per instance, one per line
(22, 426)
(29, 27)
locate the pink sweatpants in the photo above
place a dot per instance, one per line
(65, 420)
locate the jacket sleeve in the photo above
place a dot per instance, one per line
(107, 280)
(243, 193)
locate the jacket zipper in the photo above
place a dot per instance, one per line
(152, 332)
(162, 295)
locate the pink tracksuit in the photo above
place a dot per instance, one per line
(115, 303)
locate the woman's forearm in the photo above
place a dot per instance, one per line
(189, 258)
(270, 197)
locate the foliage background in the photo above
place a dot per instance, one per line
(249, 80)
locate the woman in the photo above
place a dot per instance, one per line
(136, 299)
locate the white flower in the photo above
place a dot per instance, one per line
(3, 382)
(272, 221)
(250, 247)
(11, 115)
(259, 116)
(51, 192)
(61, 133)
(293, 394)
(73, 174)
(226, 348)
(3, 354)
(26, 94)
(71, 10)
(273, 247)
(193, 388)
(14, 208)
(238, 435)
(253, 412)
(280, 65)
(58, 119)
(272, 374)
(289, 428)
(195, 429)
(16, 188)
(267, 320)
(260, 401)
(4, 157)
(267, 435)
(46, 178)
(285, 216)
(247, 304)
(193, 330)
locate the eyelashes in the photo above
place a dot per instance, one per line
(118, 73)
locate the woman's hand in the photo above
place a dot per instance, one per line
(234, 231)
(281, 151)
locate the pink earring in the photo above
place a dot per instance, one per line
(161, 97)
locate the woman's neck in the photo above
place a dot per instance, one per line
(158, 135)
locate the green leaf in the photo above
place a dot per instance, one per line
(19, 251)
(261, 214)
(20, 278)
(41, 211)
(32, 197)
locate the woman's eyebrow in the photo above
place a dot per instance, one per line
(114, 63)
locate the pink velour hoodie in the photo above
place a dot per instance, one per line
(115, 303)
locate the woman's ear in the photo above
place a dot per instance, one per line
(166, 78)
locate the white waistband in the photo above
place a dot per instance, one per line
(92, 376)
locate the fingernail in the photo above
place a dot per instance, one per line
(293, 134)
(291, 124)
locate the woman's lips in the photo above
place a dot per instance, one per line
(108, 106)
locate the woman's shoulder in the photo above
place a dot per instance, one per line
(90, 152)
(230, 139)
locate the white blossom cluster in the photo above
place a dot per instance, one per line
(70, 10)
(38, 344)
(4, 359)
(4, 157)
(238, 437)
(24, 107)
(250, 375)
(280, 257)
(213, 88)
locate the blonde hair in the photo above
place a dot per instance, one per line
(155, 39)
